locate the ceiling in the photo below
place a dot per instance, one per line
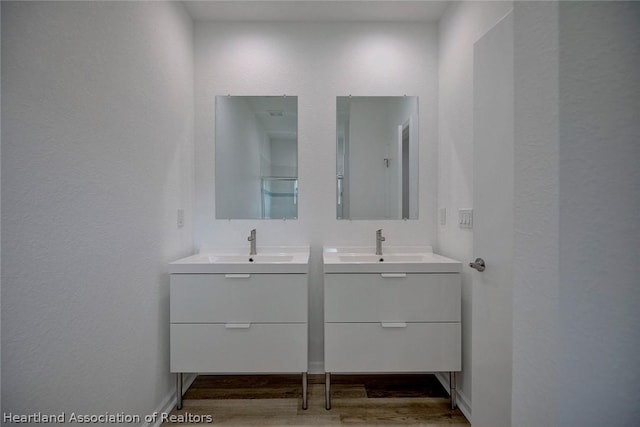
(317, 10)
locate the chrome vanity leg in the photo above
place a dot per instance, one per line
(304, 390)
(327, 391)
(452, 390)
(179, 390)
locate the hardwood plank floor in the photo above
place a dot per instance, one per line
(275, 400)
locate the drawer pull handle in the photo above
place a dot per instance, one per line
(393, 275)
(237, 325)
(394, 324)
(237, 276)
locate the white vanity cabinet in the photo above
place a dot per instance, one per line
(239, 323)
(391, 322)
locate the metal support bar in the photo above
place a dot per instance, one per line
(304, 390)
(452, 390)
(327, 391)
(179, 391)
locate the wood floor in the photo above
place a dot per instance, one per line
(275, 400)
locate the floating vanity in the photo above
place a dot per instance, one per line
(235, 313)
(390, 313)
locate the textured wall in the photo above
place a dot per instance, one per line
(97, 133)
(316, 62)
(576, 292)
(461, 26)
(535, 307)
(599, 170)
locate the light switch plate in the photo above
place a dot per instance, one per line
(465, 218)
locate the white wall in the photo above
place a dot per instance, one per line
(462, 24)
(97, 133)
(535, 396)
(577, 192)
(599, 241)
(316, 62)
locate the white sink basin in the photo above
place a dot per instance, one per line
(395, 259)
(274, 259)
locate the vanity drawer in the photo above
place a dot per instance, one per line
(236, 348)
(220, 298)
(410, 347)
(393, 297)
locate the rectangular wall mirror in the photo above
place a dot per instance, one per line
(256, 157)
(377, 157)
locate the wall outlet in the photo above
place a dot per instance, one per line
(180, 218)
(465, 218)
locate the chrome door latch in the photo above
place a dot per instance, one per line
(478, 264)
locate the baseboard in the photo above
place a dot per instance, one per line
(464, 405)
(169, 402)
(461, 399)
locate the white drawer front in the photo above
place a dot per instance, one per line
(370, 347)
(220, 298)
(392, 297)
(236, 348)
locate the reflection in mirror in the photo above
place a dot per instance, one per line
(377, 157)
(256, 157)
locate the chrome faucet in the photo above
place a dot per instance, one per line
(252, 239)
(379, 240)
